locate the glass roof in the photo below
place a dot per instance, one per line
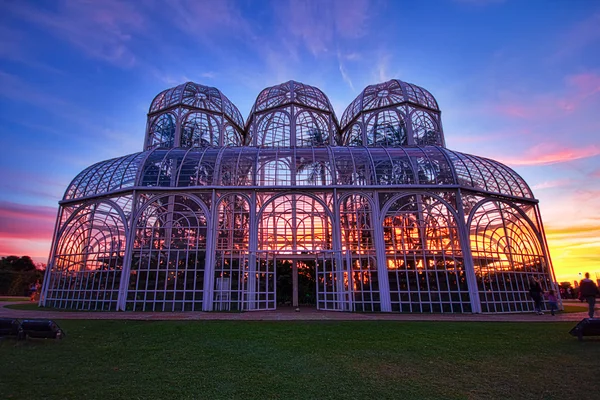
(387, 94)
(321, 166)
(291, 92)
(196, 96)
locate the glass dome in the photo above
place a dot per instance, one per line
(292, 114)
(393, 113)
(193, 115)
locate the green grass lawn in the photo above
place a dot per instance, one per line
(2, 298)
(33, 306)
(311, 360)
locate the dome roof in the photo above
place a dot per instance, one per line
(194, 95)
(292, 92)
(388, 94)
(429, 166)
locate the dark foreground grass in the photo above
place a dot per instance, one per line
(311, 360)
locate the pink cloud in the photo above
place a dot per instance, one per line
(585, 85)
(577, 92)
(545, 154)
(22, 221)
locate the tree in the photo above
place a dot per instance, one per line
(17, 274)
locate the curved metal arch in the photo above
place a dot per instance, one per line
(267, 118)
(481, 202)
(366, 195)
(326, 208)
(402, 121)
(387, 95)
(315, 118)
(346, 134)
(430, 117)
(93, 202)
(226, 194)
(140, 210)
(153, 123)
(178, 176)
(218, 122)
(386, 207)
(479, 165)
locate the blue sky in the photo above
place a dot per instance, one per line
(517, 81)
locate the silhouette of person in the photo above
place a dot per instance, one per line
(536, 292)
(588, 292)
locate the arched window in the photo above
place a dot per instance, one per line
(311, 129)
(359, 256)
(86, 268)
(425, 130)
(168, 256)
(424, 258)
(200, 130)
(506, 254)
(273, 130)
(386, 128)
(162, 131)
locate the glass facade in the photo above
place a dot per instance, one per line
(293, 208)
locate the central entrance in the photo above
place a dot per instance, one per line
(295, 261)
(296, 281)
(310, 279)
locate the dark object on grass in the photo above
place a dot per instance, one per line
(42, 328)
(11, 327)
(586, 327)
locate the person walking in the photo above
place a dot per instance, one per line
(588, 292)
(536, 292)
(552, 301)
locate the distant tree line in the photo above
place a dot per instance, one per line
(18, 274)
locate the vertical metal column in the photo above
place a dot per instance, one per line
(209, 261)
(130, 234)
(382, 271)
(465, 244)
(250, 289)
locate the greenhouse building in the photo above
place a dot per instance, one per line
(297, 208)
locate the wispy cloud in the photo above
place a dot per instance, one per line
(551, 184)
(207, 20)
(344, 73)
(101, 29)
(320, 24)
(579, 37)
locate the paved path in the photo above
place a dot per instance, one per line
(306, 314)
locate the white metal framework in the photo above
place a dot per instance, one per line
(292, 208)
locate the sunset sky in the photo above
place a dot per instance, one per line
(517, 81)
